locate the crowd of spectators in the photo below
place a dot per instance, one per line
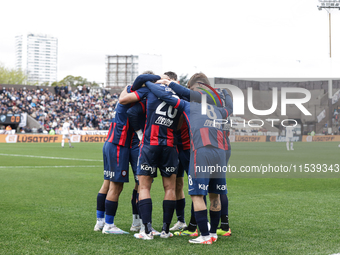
(87, 110)
(335, 118)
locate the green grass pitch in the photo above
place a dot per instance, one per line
(48, 204)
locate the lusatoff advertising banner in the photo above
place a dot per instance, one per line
(321, 138)
(51, 138)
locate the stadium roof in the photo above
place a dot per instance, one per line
(282, 79)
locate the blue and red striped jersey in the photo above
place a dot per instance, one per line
(203, 130)
(121, 133)
(183, 138)
(136, 115)
(161, 120)
(110, 128)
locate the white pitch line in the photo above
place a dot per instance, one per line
(43, 166)
(33, 156)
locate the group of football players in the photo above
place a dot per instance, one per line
(159, 123)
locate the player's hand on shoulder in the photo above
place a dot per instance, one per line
(164, 81)
(164, 77)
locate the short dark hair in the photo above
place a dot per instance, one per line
(171, 75)
(198, 77)
(148, 72)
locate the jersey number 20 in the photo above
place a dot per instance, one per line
(163, 113)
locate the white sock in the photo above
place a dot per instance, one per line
(291, 145)
(62, 143)
(287, 146)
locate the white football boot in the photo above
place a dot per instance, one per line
(178, 226)
(112, 229)
(100, 224)
(166, 235)
(144, 236)
(202, 240)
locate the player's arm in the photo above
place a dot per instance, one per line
(177, 88)
(186, 93)
(134, 113)
(133, 96)
(141, 79)
(183, 92)
(166, 96)
(228, 102)
(228, 108)
(129, 98)
(124, 93)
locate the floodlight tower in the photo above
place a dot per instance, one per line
(329, 6)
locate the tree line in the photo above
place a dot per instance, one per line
(14, 76)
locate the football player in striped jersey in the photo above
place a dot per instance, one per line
(210, 145)
(158, 150)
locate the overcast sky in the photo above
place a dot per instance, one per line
(240, 38)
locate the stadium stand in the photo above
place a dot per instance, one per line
(89, 109)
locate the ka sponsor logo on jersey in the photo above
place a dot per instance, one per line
(203, 186)
(221, 187)
(170, 169)
(145, 167)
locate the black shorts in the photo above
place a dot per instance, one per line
(184, 159)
